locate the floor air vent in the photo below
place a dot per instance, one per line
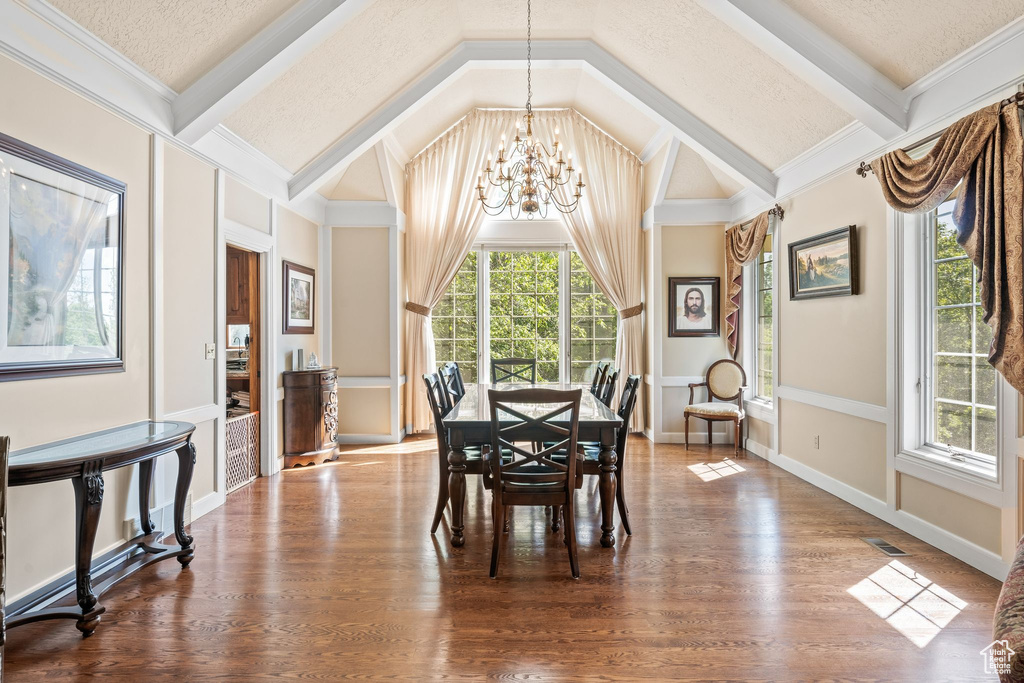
(886, 547)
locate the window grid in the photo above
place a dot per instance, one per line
(524, 308)
(593, 322)
(454, 321)
(764, 273)
(80, 302)
(962, 415)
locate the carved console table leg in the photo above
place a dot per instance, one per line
(186, 462)
(457, 485)
(606, 484)
(88, 502)
(145, 486)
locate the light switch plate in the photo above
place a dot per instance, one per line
(211, 351)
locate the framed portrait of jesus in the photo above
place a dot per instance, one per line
(693, 307)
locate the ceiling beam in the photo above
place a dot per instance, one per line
(691, 130)
(820, 60)
(253, 66)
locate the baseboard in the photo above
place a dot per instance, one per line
(962, 549)
(680, 437)
(760, 450)
(162, 518)
(207, 503)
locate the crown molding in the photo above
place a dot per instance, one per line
(39, 37)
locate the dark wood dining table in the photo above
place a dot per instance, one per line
(469, 423)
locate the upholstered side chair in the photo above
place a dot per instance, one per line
(725, 380)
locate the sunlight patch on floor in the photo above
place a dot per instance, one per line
(907, 601)
(709, 471)
(404, 448)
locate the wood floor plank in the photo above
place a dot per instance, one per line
(329, 573)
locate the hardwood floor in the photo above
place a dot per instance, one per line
(330, 573)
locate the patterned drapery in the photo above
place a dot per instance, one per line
(742, 245)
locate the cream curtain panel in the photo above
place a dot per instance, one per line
(443, 217)
(606, 229)
(741, 247)
(984, 150)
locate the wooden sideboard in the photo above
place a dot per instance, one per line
(310, 416)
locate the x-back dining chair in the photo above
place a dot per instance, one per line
(607, 391)
(725, 380)
(452, 378)
(533, 476)
(513, 370)
(475, 464)
(600, 371)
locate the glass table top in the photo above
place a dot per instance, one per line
(116, 440)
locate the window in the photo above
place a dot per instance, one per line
(540, 304)
(763, 278)
(91, 310)
(961, 385)
(593, 322)
(455, 321)
(524, 308)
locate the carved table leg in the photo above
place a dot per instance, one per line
(606, 484)
(88, 502)
(186, 462)
(145, 486)
(457, 484)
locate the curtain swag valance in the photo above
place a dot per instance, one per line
(742, 247)
(984, 152)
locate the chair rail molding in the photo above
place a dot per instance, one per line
(837, 404)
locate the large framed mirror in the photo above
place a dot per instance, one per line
(61, 271)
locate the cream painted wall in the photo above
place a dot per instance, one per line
(189, 213)
(361, 181)
(398, 179)
(42, 113)
(298, 241)
(359, 302)
(244, 205)
(837, 346)
(361, 326)
(760, 432)
(970, 519)
(691, 251)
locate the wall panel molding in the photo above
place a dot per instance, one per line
(837, 404)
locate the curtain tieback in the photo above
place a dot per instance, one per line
(417, 308)
(631, 311)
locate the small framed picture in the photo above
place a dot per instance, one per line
(299, 292)
(824, 265)
(693, 306)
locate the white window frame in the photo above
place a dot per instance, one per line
(756, 406)
(989, 482)
(509, 235)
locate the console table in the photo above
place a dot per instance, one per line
(83, 460)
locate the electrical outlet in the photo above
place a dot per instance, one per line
(211, 351)
(816, 442)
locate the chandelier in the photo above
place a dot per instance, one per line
(529, 173)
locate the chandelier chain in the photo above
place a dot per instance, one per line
(529, 56)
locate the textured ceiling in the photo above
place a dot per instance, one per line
(908, 39)
(694, 178)
(678, 46)
(361, 181)
(176, 41)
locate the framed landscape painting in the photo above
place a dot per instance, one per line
(61, 226)
(299, 293)
(693, 306)
(824, 265)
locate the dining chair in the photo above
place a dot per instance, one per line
(725, 380)
(532, 476)
(452, 378)
(600, 370)
(607, 392)
(513, 370)
(475, 464)
(591, 452)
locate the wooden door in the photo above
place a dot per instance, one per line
(237, 272)
(254, 318)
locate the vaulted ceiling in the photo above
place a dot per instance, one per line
(688, 50)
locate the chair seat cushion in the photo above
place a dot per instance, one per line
(714, 410)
